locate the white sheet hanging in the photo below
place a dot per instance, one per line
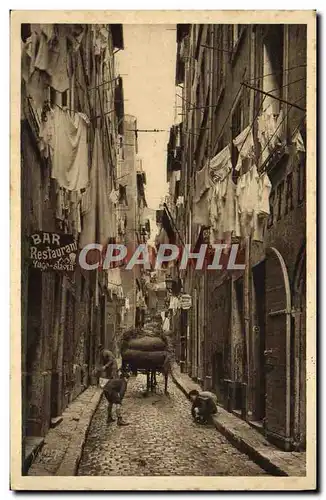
(221, 164)
(67, 137)
(244, 143)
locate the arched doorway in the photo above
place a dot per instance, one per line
(277, 350)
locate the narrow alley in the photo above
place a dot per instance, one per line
(163, 231)
(162, 439)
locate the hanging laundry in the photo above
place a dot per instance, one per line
(180, 201)
(67, 137)
(297, 140)
(244, 143)
(75, 36)
(221, 164)
(58, 60)
(60, 202)
(264, 190)
(224, 214)
(270, 131)
(104, 221)
(85, 203)
(75, 201)
(44, 39)
(100, 38)
(96, 222)
(201, 209)
(29, 55)
(247, 194)
(88, 234)
(253, 193)
(47, 133)
(203, 183)
(114, 196)
(263, 207)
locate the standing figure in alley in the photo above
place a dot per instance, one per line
(108, 363)
(204, 406)
(114, 391)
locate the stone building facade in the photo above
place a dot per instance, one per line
(244, 337)
(66, 315)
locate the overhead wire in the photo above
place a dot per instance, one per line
(274, 97)
(276, 72)
(277, 128)
(265, 96)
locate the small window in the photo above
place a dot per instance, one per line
(64, 97)
(53, 96)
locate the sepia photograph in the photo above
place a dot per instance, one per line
(163, 184)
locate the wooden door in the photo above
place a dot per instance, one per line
(277, 349)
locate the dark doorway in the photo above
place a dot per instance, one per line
(56, 319)
(34, 325)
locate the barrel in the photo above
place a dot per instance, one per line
(148, 344)
(144, 359)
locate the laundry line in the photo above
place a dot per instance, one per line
(231, 109)
(276, 72)
(257, 90)
(106, 82)
(291, 107)
(268, 94)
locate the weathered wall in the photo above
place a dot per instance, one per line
(127, 168)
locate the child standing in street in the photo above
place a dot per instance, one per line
(114, 391)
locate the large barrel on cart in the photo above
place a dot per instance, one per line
(148, 353)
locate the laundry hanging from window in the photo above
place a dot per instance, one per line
(270, 131)
(244, 143)
(252, 194)
(66, 137)
(221, 164)
(114, 196)
(97, 222)
(223, 211)
(202, 196)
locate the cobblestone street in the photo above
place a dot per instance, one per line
(161, 439)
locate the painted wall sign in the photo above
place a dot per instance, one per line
(52, 251)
